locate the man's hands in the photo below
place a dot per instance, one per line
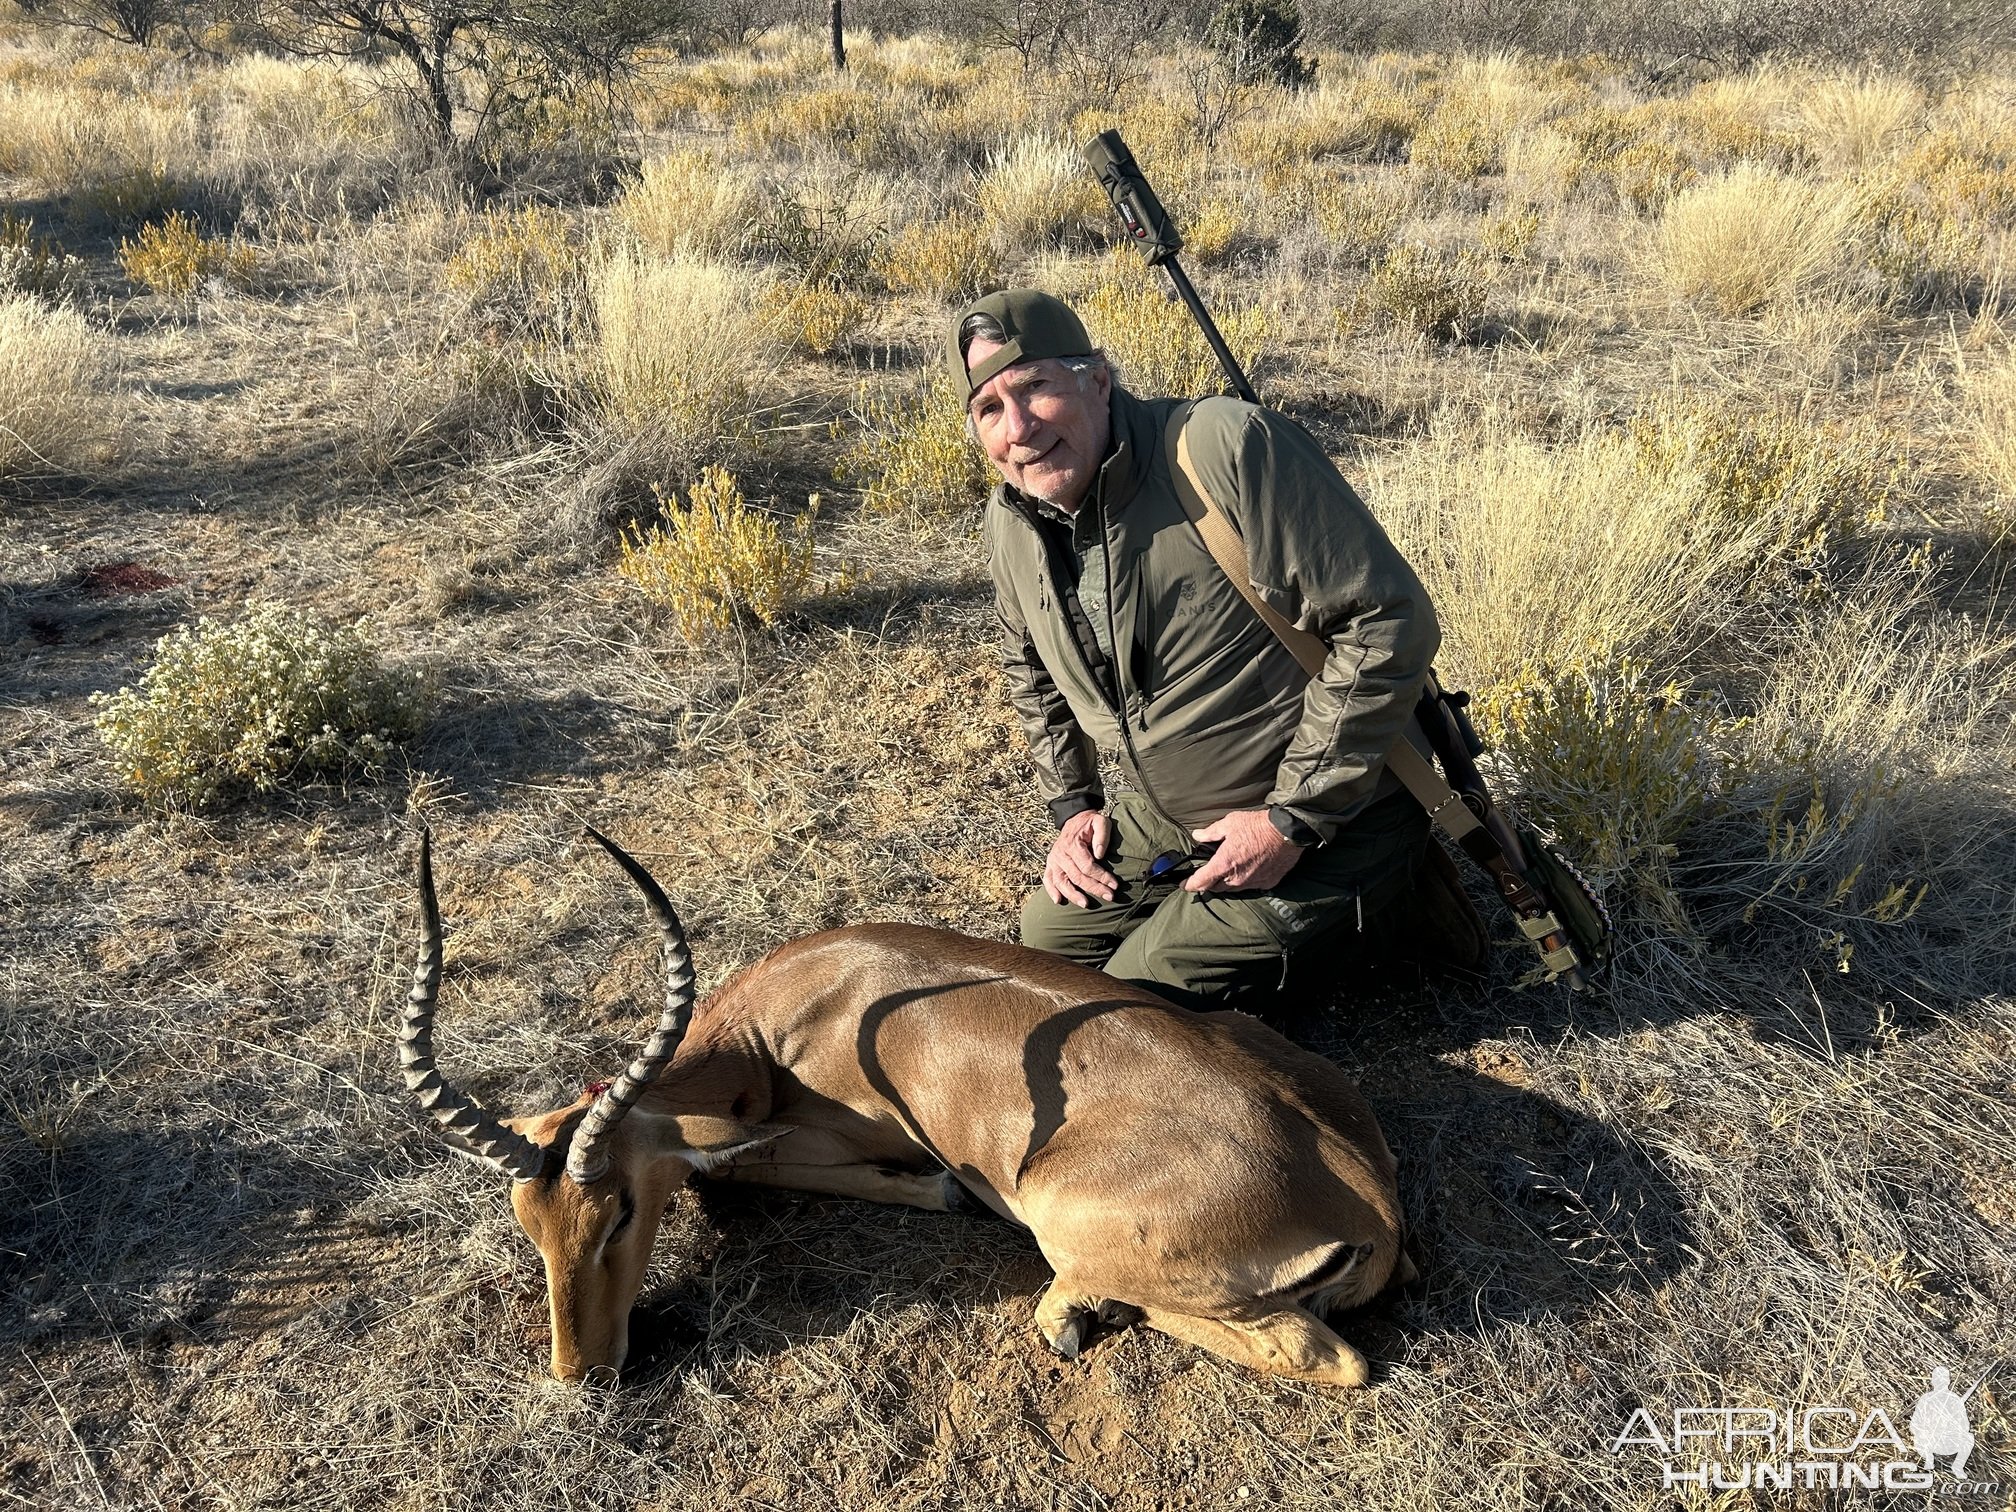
(1252, 855)
(1071, 872)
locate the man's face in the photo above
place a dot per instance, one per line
(1044, 433)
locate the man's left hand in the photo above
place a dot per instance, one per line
(1252, 855)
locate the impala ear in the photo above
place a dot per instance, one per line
(708, 1144)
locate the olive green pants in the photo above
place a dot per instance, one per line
(1211, 950)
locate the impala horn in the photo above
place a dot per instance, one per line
(586, 1160)
(462, 1116)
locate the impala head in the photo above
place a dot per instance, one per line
(589, 1182)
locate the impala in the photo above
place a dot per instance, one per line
(1193, 1170)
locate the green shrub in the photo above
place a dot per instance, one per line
(1617, 767)
(1256, 40)
(245, 706)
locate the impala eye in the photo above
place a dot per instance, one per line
(623, 1218)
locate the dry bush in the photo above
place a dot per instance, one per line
(1426, 293)
(1151, 337)
(848, 118)
(820, 319)
(1212, 232)
(827, 226)
(304, 141)
(1811, 488)
(1872, 769)
(1923, 255)
(52, 371)
(1455, 144)
(123, 158)
(1751, 236)
(274, 696)
(1648, 174)
(949, 259)
(36, 265)
(1358, 219)
(1741, 118)
(685, 354)
(1853, 123)
(693, 204)
(1510, 234)
(1724, 783)
(1544, 164)
(1038, 192)
(1973, 177)
(716, 559)
(911, 455)
(520, 271)
(1574, 548)
(172, 257)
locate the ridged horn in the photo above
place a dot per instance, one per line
(586, 1160)
(461, 1115)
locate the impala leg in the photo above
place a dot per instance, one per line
(1291, 1342)
(935, 1192)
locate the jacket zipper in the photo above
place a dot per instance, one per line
(1125, 720)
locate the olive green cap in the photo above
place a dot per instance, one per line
(1038, 325)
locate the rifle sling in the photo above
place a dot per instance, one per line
(1444, 804)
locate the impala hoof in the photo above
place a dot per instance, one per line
(958, 1199)
(1069, 1339)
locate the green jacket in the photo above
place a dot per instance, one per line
(1206, 708)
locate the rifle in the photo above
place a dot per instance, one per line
(1557, 910)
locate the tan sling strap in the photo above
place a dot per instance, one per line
(1493, 846)
(1416, 772)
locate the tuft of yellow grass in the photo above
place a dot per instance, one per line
(1853, 123)
(944, 259)
(911, 455)
(685, 353)
(1573, 547)
(1750, 236)
(692, 203)
(172, 257)
(1037, 192)
(52, 366)
(1152, 339)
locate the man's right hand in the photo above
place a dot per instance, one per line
(1071, 872)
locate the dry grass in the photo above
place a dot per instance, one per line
(52, 368)
(695, 203)
(684, 354)
(1990, 388)
(1037, 191)
(1769, 1164)
(1750, 237)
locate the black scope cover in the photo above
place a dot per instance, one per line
(1140, 211)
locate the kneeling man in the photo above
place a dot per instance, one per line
(1261, 820)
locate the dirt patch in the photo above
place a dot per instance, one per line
(123, 580)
